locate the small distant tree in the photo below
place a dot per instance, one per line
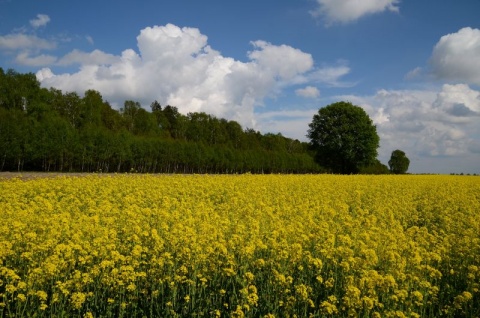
(398, 162)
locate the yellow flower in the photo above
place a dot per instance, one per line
(42, 295)
(328, 308)
(418, 297)
(78, 299)
(88, 314)
(302, 292)
(9, 288)
(368, 302)
(291, 238)
(21, 297)
(249, 276)
(238, 313)
(330, 282)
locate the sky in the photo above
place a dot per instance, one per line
(413, 66)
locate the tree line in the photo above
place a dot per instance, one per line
(50, 130)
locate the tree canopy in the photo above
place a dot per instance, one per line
(398, 162)
(343, 137)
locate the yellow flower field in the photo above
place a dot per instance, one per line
(240, 246)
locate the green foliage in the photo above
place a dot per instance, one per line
(17, 91)
(49, 130)
(14, 132)
(343, 137)
(376, 168)
(398, 162)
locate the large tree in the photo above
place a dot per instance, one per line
(343, 137)
(398, 162)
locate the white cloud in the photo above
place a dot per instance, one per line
(89, 39)
(418, 122)
(39, 60)
(308, 92)
(176, 66)
(455, 56)
(436, 128)
(23, 41)
(280, 61)
(41, 20)
(415, 73)
(44, 74)
(291, 123)
(459, 101)
(430, 126)
(95, 57)
(331, 75)
(345, 11)
(169, 41)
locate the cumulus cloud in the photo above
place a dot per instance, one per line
(176, 66)
(41, 20)
(281, 61)
(443, 124)
(427, 125)
(455, 56)
(308, 92)
(44, 74)
(438, 129)
(458, 101)
(345, 11)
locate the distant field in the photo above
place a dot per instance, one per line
(107, 245)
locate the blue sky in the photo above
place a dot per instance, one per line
(414, 66)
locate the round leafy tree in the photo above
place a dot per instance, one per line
(343, 137)
(398, 162)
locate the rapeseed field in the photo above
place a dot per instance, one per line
(240, 246)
